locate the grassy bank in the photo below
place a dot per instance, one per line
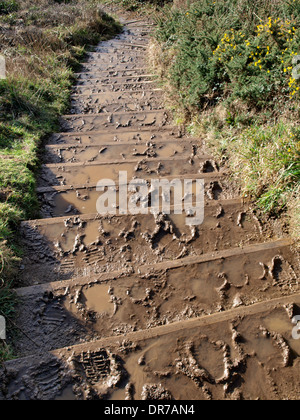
(230, 70)
(43, 42)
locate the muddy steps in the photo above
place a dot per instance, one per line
(117, 87)
(114, 102)
(127, 134)
(138, 299)
(127, 102)
(212, 353)
(67, 200)
(145, 306)
(106, 151)
(70, 246)
(118, 120)
(114, 75)
(91, 173)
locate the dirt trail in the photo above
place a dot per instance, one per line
(145, 306)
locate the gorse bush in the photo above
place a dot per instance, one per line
(233, 50)
(232, 71)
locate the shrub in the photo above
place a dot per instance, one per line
(224, 51)
(8, 6)
(230, 68)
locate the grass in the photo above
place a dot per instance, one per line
(43, 42)
(229, 68)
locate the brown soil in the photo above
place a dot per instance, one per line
(146, 307)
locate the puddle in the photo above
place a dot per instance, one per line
(157, 357)
(84, 201)
(118, 395)
(123, 136)
(118, 151)
(281, 324)
(209, 358)
(96, 298)
(67, 395)
(145, 169)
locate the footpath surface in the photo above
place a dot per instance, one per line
(145, 306)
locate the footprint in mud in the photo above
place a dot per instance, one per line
(215, 190)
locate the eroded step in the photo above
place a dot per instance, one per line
(125, 41)
(139, 167)
(111, 73)
(74, 246)
(151, 149)
(96, 105)
(243, 353)
(120, 302)
(116, 55)
(117, 120)
(115, 66)
(114, 87)
(118, 49)
(116, 102)
(141, 135)
(75, 200)
(111, 80)
(121, 50)
(122, 97)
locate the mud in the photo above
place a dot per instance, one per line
(240, 358)
(133, 301)
(80, 245)
(126, 135)
(85, 154)
(139, 167)
(145, 307)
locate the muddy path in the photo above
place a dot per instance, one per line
(145, 306)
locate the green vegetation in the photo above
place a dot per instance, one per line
(142, 6)
(43, 42)
(229, 67)
(8, 6)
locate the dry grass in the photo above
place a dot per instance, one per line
(43, 42)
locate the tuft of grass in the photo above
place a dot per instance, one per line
(43, 42)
